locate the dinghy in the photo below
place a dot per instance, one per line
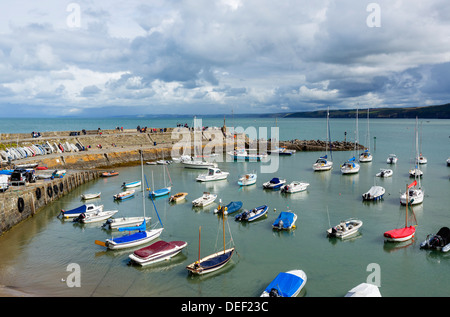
(274, 183)
(156, 252)
(205, 200)
(213, 174)
(392, 159)
(364, 290)
(124, 195)
(285, 221)
(116, 223)
(253, 214)
(109, 174)
(178, 197)
(131, 184)
(79, 210)
(374, 193)
(247, 179)
(345, 229)
(90, 196)
(95, 216)
(286, 284)
(384, 173)
(294, 187)
(439, 241)
(228, 209)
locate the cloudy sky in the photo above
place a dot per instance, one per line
(93, 57)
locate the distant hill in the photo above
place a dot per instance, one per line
(427, 112)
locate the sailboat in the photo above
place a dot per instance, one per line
(414, 190)
(141, 236)
(162, 191)
(351, 166)
(421, 159)
(402, 234)
(214, 261)
(323, 163)
(366, 156)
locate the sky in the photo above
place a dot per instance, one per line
(108, 58)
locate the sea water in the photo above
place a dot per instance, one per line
(39, 254)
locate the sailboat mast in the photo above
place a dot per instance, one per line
(407, 198)
(199, 239)
(223, 222)
(142, 181)
(368, 132)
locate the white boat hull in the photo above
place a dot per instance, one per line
(415, 197)
(98, 216)
(205, 200)
(117, 223)
(294, 187)
(345, 229)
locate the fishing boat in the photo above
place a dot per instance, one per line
(116, 223)
(124, 195)
(345, 229)
(110, 174)
(374, 193)
(214, 261)
(247, 179)
(350, 167)
(206, 199)
(366, 156)
(157, 252)
(439, 241)
(88, 208)
(282, 151)
(285, 221)
(274, 183)
(140, 233)
(253, 214)
(232, 207)
(178, 197)
(405, 233)
(241, 154)
(294, 187)
(214, 174)
(96, 216)
(384, 172)
(392, 159)
(286, 284)
(131, 184)
(364, 290)
(90, 196)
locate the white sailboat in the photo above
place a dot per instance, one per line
(351, 166)
(366, 156)
(324, 163)
(414, 191)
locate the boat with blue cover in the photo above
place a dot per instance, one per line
(228, 209)
(88, 208)
(286, 284)
(285, 221)
(253, 214)
(274, 183)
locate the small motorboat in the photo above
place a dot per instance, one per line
(253, 214)
(131, 184)
(178, 197)
(392, 159)
(439, 241)
(421, 159)
(364, 290)
(88, 208)
(90, 196)
(124, 195)
(285, 221)
(448, 161)
(156, 252)
(294, 187)
(205, 200)
(109, 174)
(116, 223)
(274, 183)
(96, 216)
(374, 193)
(214, 174)
(345, 229)
(281, 151)
(228, 209)
(247, 179)
(384, 172)
(286, 284)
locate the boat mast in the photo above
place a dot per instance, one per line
(407, 198)
(328, 133)
(223, 222)
(199, 239)
(368, 132)
(142, 180)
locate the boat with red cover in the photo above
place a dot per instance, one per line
(156, 252)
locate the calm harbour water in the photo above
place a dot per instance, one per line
(36, 253)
